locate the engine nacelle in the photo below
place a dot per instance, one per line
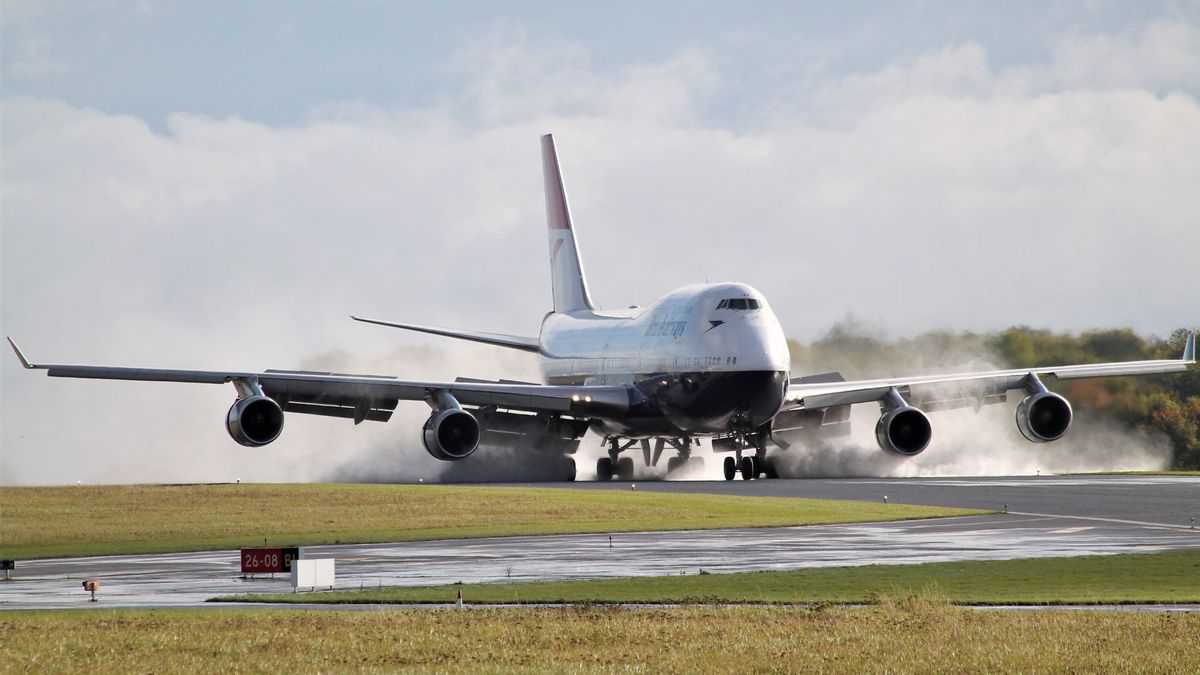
(1044, 416)
(254, 421)
(451, 434)
(904, 430)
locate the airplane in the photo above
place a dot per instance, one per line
(704, 361)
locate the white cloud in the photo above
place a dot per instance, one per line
(941, 192)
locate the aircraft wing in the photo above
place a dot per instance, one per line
(366, 397)
(940, 392)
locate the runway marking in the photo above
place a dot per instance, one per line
(1073, 530)
(1121, 521)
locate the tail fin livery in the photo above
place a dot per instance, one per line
(566, 267)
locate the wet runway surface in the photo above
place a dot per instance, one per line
(1121, 515)
(1155, 499)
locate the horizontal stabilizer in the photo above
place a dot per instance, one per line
(528, 344)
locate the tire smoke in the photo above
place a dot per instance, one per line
(987, 443)
(965, 442)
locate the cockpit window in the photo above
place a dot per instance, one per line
(738, 303)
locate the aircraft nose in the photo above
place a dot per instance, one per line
(771, 344)
(758, 342)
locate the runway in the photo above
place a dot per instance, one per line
(1114, 518)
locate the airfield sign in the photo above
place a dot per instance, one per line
(268, 560)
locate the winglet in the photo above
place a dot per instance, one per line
(1189, 348)
(17, 350)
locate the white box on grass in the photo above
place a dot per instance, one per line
(313, 573)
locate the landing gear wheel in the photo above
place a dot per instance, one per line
(749, 470)
(730, 468)
(696, 463)
(604, 469)
(625, 468)
(569, 470)
(672, 465)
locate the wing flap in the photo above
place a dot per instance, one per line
(346, 412)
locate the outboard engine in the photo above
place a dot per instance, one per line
(450, 433)
(254, 421)
(902, 429)
(1043, 416)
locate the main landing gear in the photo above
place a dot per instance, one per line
(615, 466)
(568, 469)
(607, 469)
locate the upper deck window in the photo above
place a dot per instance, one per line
(738, 303)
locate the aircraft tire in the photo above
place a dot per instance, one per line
(604, 469)
(625, 468)
(730, 468)
(749, 470)
(569, 470)
(672, 465)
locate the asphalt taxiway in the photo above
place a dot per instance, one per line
(1115, 515)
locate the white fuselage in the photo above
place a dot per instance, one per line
(709, 328)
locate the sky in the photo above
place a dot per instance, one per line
(218, 185)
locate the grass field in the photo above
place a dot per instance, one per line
(95, 520)
(1158, 577)
(898, 636)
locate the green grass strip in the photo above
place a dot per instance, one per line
(101, 520)
(1171, 577)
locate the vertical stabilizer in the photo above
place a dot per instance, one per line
(566, 267)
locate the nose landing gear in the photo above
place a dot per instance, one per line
(749, 466)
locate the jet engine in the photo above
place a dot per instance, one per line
(1044, 416)
(450, 433)
(254, 421)
(902, 429)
